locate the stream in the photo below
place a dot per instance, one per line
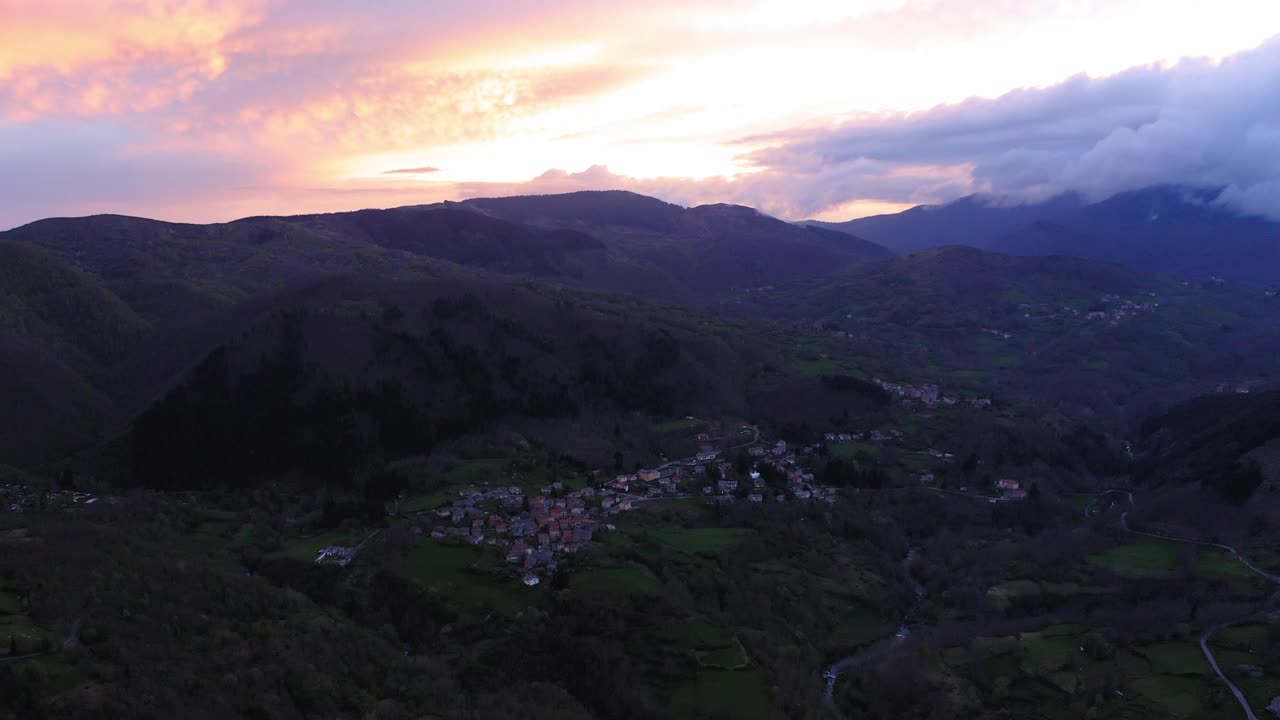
(875, 650)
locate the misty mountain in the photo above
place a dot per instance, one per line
(1175, 231)
(1172, 230)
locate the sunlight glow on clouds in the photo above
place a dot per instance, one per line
(203, 109)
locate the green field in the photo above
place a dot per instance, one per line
(8, 603)
(851, 450)
(1181, 697)
(468, 575)
(1159, 558)
(630, 580)
(710, 644)
(18, 633)
(467, 470)
(708, 541)
(1175, 658)
(728, 694)
(429, 501)
(60, 676)
(699, 634)
(1170, 679)
(732, 657)
(219, 532)
(1050, 652)
(306, 548)
(1242, 637)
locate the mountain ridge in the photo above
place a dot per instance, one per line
(1168, 229)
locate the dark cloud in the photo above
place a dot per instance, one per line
(1196, 122)
(412, 171)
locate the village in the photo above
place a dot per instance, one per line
(15, 497)
(929, 395)
(537, 530)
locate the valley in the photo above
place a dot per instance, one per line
(596, 455)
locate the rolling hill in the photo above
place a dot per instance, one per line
(1092, 339)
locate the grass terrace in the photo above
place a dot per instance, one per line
(468, 575)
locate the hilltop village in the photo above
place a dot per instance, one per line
(535, 529)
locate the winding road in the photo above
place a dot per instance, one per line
(1091, 511)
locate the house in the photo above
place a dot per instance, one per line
(756, 451)
(1015, 494)
(755, 498)
(707, 456)
(1008, 484)
(531, 580)
(649, 475)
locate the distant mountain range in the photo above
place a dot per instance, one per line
(438, 320)
(1178, 231)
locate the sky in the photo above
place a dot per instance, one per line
(202, 111)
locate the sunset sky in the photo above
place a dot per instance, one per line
(201, 110)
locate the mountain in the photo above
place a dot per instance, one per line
(100, 316)
(1094, 340)
(611, 241)
(681, 254)
(1174, 230)
(972, 220)
(346, 370)
(1177, 231)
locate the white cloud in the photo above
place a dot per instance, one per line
(1195, 123)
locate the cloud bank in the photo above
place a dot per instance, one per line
(200, 110)
(1195, 123)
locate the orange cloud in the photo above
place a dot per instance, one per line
(63, 57)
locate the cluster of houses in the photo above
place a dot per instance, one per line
(928, 394)
(875, 436)
(23, 498)
(1117, 309)
(800, 484)
(1227, 388)
(537, 531)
